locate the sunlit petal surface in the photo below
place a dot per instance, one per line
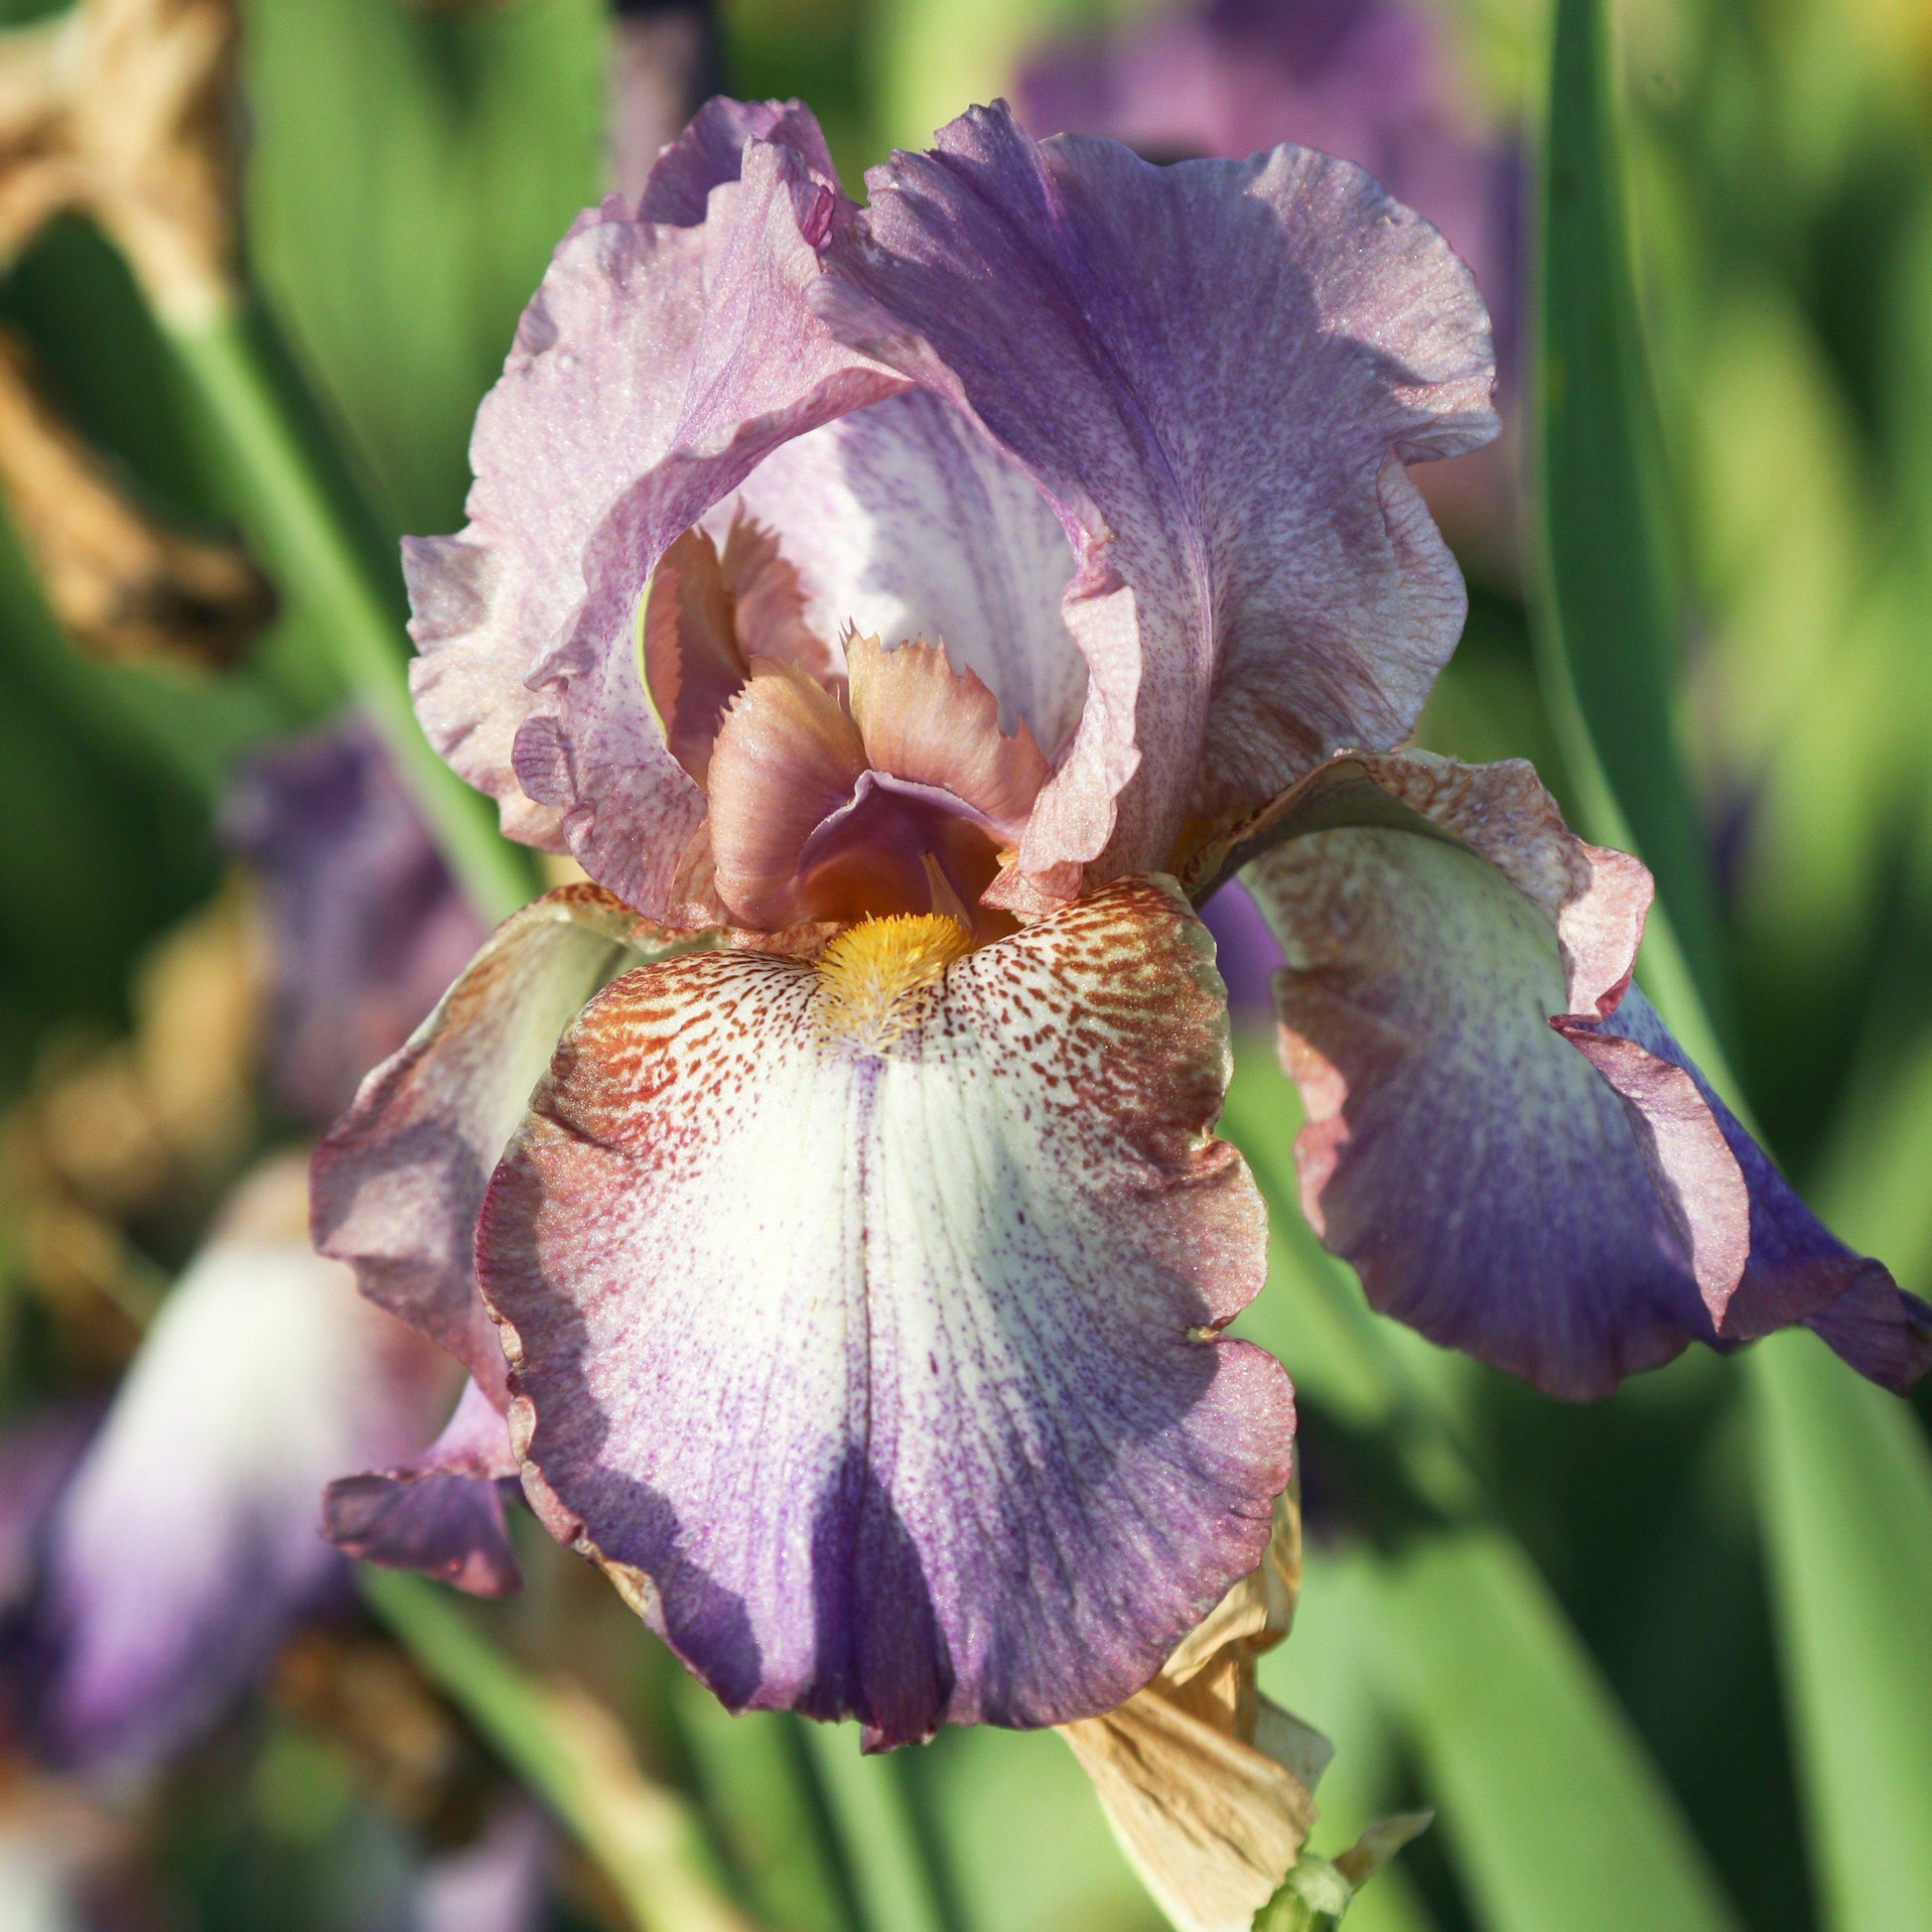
(863, 1318)
(1566, 1200)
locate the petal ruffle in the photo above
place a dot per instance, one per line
(1502, 1139)
(929, 1424)
(396, 1184)
(663, 357)
(1215, 372)
(186, 1541)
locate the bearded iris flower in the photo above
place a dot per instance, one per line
(900, 614)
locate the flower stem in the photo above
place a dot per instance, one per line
(871, 1812)
(283, 495)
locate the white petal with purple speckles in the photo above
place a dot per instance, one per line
(873, 1365)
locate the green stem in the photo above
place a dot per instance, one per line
(644, 1838)
(872, 1816)
(299, 524)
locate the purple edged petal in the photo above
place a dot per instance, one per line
(1214, 372)
(1502, 1139)
(396, 1184)
(659, 360)
(1796, 1270)
(442, 1511)
(186, 1541)
(931, 1425)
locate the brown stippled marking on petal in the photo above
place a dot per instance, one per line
(885, 1365)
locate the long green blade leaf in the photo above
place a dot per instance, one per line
(1844, 1482)
(1607, 630)
(1846, 1493)
(570, 1753)
(1552, 1814)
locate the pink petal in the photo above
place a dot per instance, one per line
(1215, 372)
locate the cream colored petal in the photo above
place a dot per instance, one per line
(1211, 1824)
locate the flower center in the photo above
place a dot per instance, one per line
(867, 974)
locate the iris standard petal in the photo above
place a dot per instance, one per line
(396, 1184)
(863, 1314)
(186, 1541)
(731, 364)
(905, 520)
(660, 358)
(1500, 1137)
(1215, 372)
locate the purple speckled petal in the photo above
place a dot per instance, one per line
(932, 1426)
(659, 360)
(442, 1511)
(725, 363)
(395, 1184)
(1500, 1137)
(365, 926)
(188, 1540)
(1214, 372)
(906, 521)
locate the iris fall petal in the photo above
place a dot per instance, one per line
(864, 1321)
(1501, 1137)
(396, 1184)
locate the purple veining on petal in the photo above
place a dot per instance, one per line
(366, 925)
(1208, 380)
(1215, 372)
(925, 1427)
(1370, 80)
(1516, 1157)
